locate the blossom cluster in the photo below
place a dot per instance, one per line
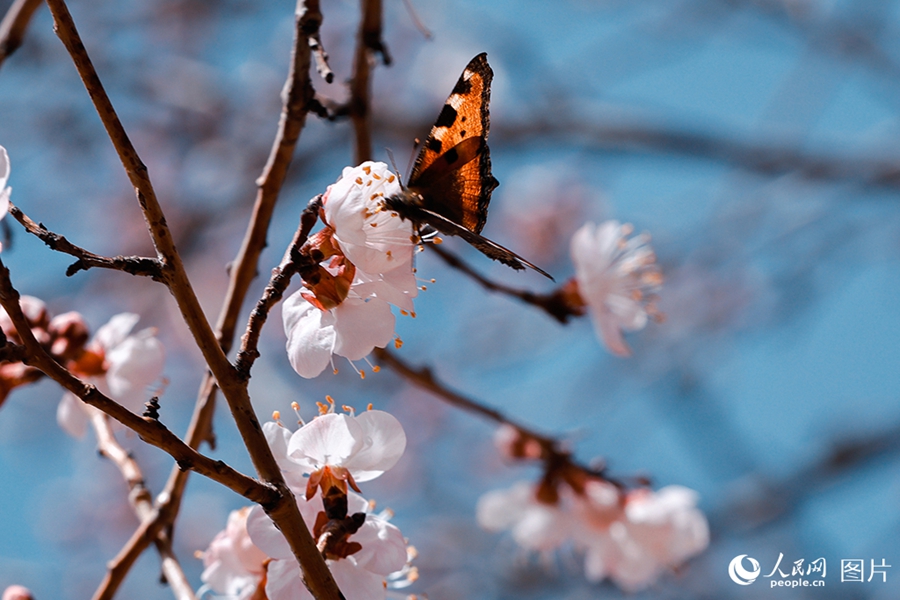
(122, 365)
(321, 462)
(367, 265)
(628, 536)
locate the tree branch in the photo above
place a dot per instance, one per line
(135, 265)
(13, 26)
(284, 510)
(142, 503)
(150, 430)
(293, 262)
(553, 304)
(368, 42)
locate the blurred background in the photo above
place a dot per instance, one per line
(756, 140)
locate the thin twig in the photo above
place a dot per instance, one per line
(135, 265)
(368, 42)
(284, 510)
(13, 26)
(142, 502)
(293, 262)
(296, 103)
(553, 304)
(420, 25)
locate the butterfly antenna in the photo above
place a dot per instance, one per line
(394, 164)
(412, 154)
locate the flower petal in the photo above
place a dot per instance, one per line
(356, 582)
(71, 416)
(383, 546)
(134, 364)
(310, 335)
(266, 536)
(283, 581)
(362, 325)
(383, 444)
(326, 440)
(116, 330)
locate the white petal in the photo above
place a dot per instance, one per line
(4, 167)
(310, 335)
(283, 581)
(383, 546)
(266, 536)
(278, 438)
(360, 326)
(383, 444)
(498, 510)
(4, 201)
(326, 440)
(114, 333)
(134, 364)
(71, 416)
(607, 327)
(356, 582)
(397, 287)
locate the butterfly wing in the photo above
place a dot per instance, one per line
(453, 169)
(452, 173)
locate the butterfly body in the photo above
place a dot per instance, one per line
(451, 183)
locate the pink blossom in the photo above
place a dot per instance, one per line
(615, 278)
(233, 564)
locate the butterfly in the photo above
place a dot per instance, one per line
(451, 183)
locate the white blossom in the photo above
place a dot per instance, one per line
(630, 539)
(371, 238)
(361, 575)
(365, 445)
(616, 278)
(352, 329)
(123, 365)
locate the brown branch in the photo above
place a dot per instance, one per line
(296, 103)
(424, 378)
(150, 430)
(553, 304)
(368, 42)
(559, 467)
(13, 26)
(135, 265)
(293, 262)
(142, 503)
(284, 510)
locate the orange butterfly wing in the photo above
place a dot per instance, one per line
(453, 169)
(451, 183)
